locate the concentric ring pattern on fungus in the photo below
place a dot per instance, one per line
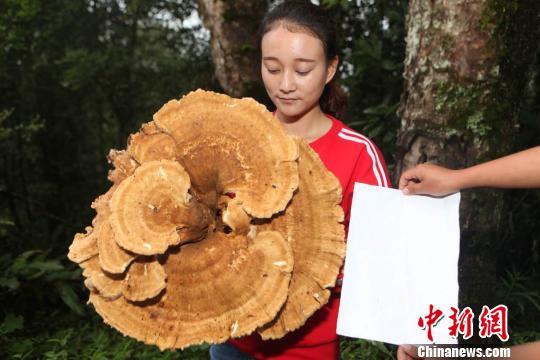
(218, 225)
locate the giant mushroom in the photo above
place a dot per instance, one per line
(218, 224)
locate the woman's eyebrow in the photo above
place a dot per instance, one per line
(297, 59)
(304, 60)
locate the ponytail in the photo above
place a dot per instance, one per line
(333, 99)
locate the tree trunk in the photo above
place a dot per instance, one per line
(233, 26)
(466, 66)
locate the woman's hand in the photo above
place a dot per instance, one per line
(407, 352)
(429, 179)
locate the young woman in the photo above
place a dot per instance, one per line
(299, 62)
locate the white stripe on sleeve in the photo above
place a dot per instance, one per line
(378, 162)
(370, 152)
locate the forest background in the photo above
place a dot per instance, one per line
(77, 76)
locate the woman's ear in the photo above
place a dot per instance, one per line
(332, 68)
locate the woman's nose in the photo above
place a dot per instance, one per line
(287, 83)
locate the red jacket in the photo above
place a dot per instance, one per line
(351, 157)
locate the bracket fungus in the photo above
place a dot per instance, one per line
(218, 224)
(112, 258)
(84, 246)
(150, 205)
(312, 224)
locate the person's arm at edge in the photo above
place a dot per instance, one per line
(519, 170)
(527, 351)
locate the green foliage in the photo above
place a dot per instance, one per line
(10, 324)
(34, 273)
(521, 294)
(90, 340)
(352, 349)
(76, 77)
(373, 46)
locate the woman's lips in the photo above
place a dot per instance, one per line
(287, 100)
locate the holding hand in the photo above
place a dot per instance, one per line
(407, 352)
(429, 179)
(520, 170)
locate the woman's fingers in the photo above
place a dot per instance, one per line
(407, 352)
(409, 176)
(428, 179)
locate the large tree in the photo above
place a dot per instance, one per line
(466, 67)
(233, 26)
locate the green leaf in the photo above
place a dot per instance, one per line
(49, 265)
(376, 110)
(389, 137)
(11, 323)
(20, 349)
(356, 124)
(26, 255)
(388, 65)
(376, 131)
(10, 283)
(70, 298)
(33, 264)
(64, 275)
(381, 110)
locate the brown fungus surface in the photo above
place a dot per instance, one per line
(312, 225)
(149, 206)
(144, 280)
(108, 286)
(112, 258)
(233, 145)
(151, 144)
(123, 165)
(225, 286)
(84, 246)
(218, 224)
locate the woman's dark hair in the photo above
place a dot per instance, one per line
(302, 15)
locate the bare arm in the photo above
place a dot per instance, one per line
(528, 351)
(519, 170)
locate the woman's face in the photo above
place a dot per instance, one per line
(294, 70)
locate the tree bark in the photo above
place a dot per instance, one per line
(233, 26)
(466, 66)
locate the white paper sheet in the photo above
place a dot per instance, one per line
(402, 256)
